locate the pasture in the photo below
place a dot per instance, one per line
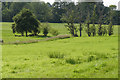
(75, 57)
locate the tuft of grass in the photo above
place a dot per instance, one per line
(73, 60)
(26, 59)
(13, 72)
(97, 56)
(56, 55)
(91, 58)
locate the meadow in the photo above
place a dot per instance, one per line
(75, 57)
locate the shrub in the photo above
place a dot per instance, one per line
(56, 55)
(45, 29)
(54, 32)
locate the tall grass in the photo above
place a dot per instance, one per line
(55, 55)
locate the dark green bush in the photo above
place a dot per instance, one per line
(46, 28)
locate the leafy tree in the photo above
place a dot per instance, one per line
(26, 22)
(88, 25)
(112, 7)
(16, 7)
(45, 12)
(102, 15)
(111, 14)
(42, 11)
(93, 21)
(90, 8)
(116, 18)
(57, 10)
(6, 15)
(70, 17)
(80, 18)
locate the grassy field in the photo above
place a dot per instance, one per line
(80, 57)
(8, 36)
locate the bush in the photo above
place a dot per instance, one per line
(54, 32)
(45, 29)
(56, 55)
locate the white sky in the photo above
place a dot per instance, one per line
(106, 2)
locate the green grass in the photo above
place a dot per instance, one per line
(79, 57)
(8, 36)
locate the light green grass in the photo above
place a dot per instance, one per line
(33, 60)
(8, 36)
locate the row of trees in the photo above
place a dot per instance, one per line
(86, 14)
(45, 12)
(82, 13)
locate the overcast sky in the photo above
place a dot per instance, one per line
(106, 2)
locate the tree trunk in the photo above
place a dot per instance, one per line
(89, 33)
(45, 34)
(80, 29)
(72, 29)
(100, 30)
(26, 34)
(80, 33)
(22, 34)
(94, 33)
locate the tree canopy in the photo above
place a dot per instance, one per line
(46, 12)
(26, 22)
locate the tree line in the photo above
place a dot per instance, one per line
(46, 12)
(83, 13)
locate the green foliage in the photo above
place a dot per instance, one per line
(41, 10)
(88, 30)
(10, 9)
(54, 32)
(104, 31)
(25, 21)
(113, 7)
(46, 28)
(45, 12)
(6, 29)
(57, 10)
(70, 17)
(93, 21)
(110, 29)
